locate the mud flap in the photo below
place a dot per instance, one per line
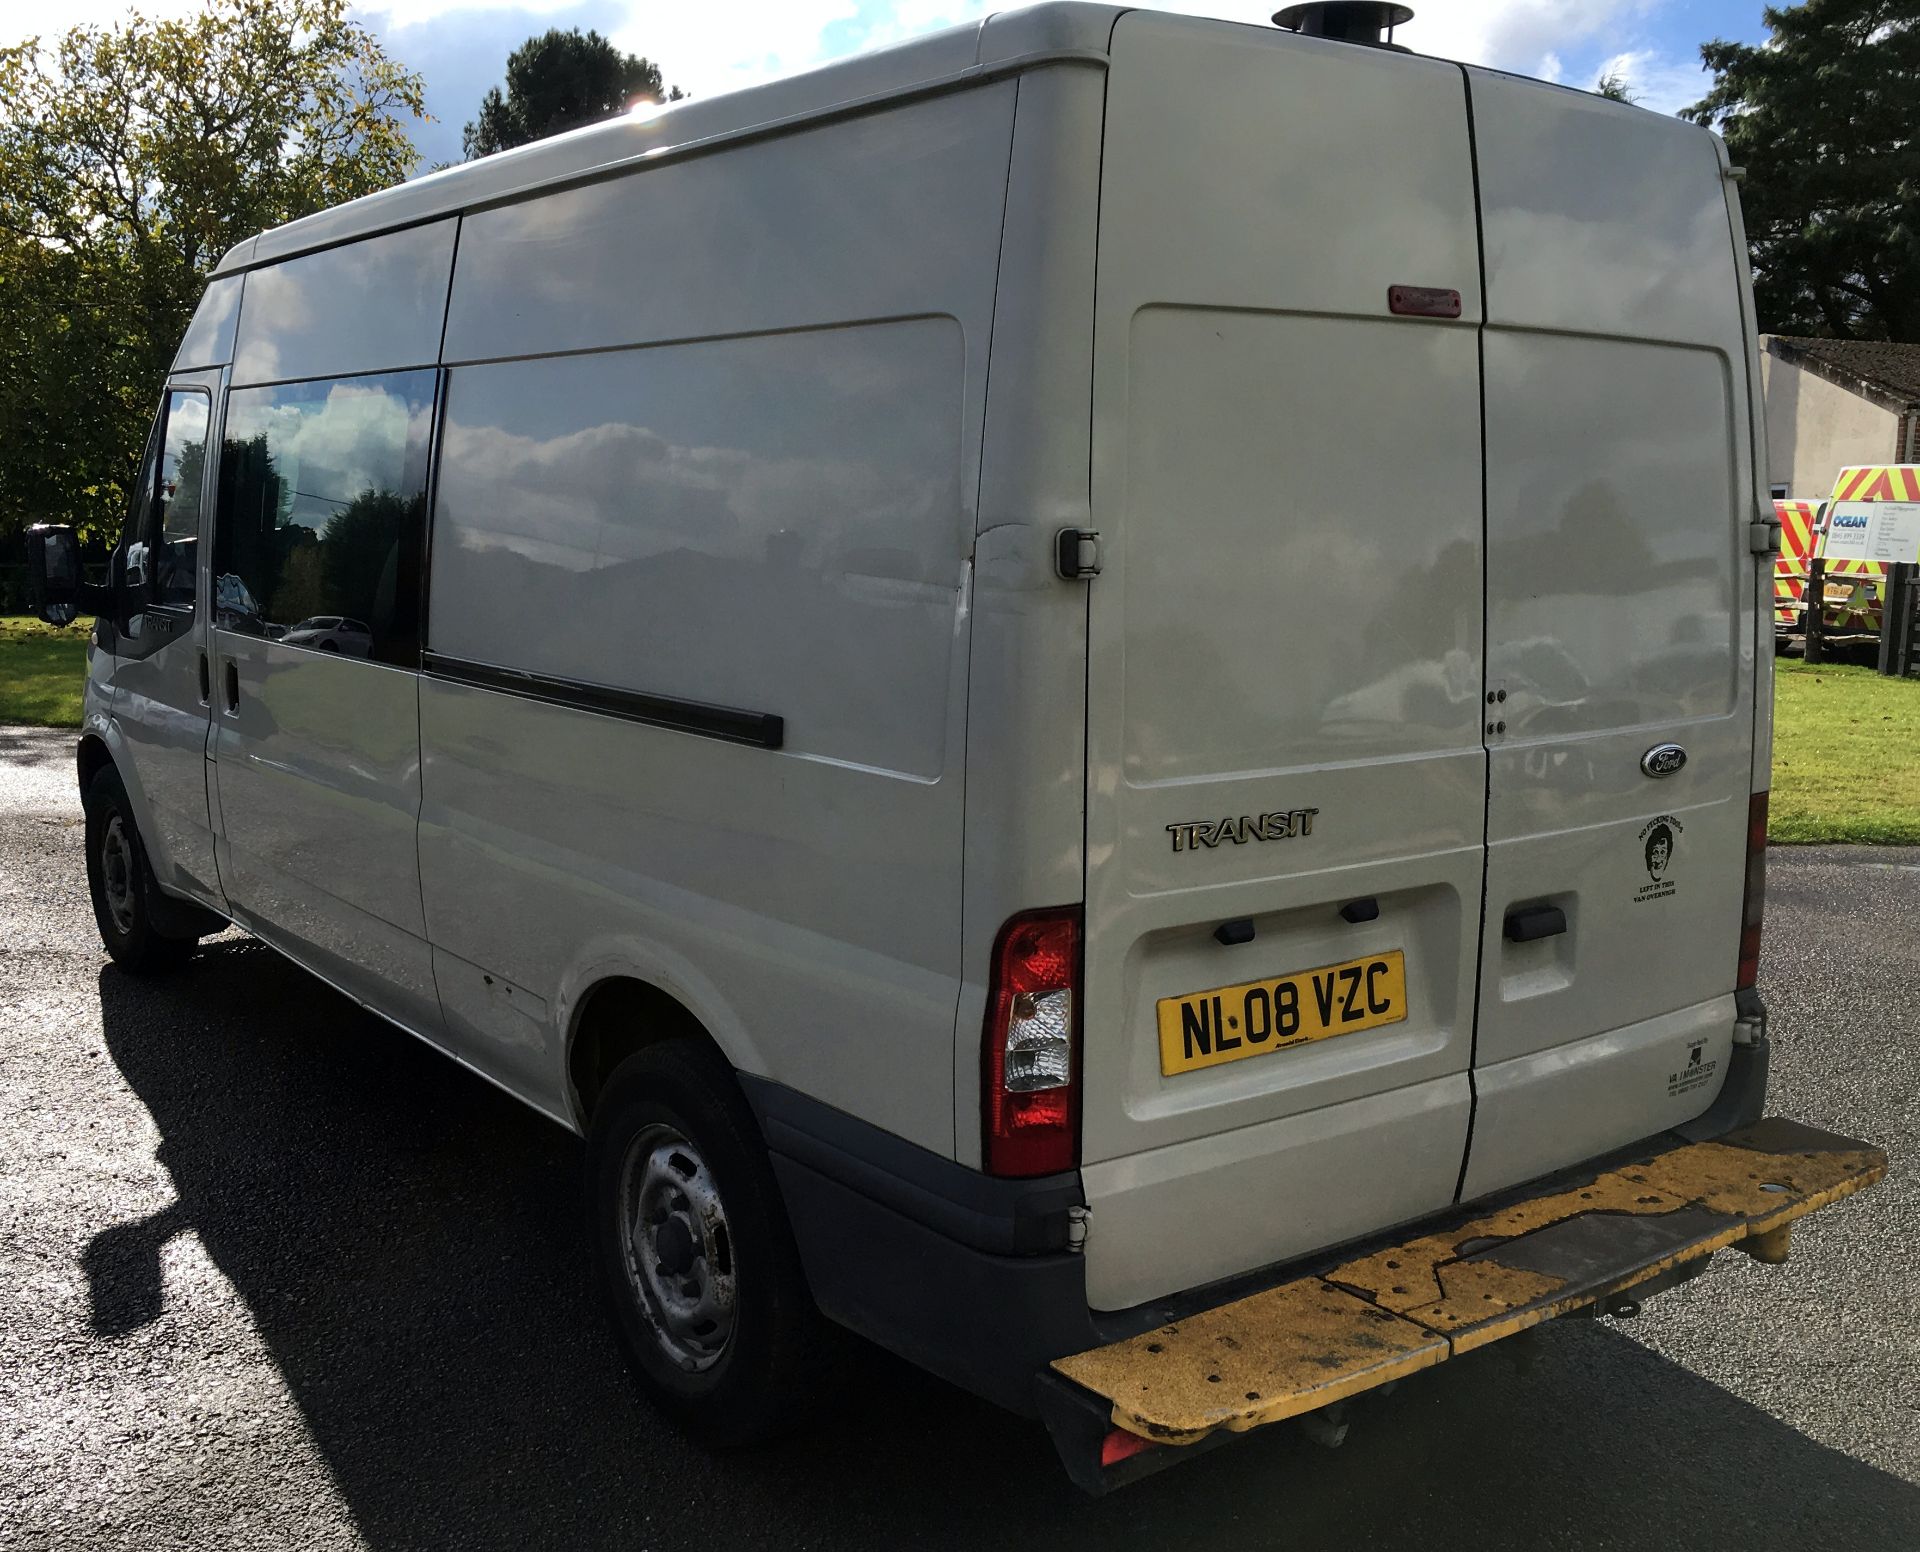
(1317, 1339)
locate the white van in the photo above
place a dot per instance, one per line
(1094, 693)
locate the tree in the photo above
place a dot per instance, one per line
(1613, 86)
(1826, 119)
(558, 81)
(131, 158)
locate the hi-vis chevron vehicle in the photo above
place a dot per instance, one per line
(1856, 585)
(844, 723)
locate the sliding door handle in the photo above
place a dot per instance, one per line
(233, 686)
(206, 680)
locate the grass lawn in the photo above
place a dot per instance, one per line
(42, 671)
(1846, 756)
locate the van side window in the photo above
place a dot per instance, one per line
(133, 536)
(161, 543)
(178, 499)
(322, 519)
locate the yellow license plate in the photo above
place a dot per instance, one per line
(1231, 1023)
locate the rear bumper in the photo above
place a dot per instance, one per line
(1483, 1275)
(971, 1278)
(977, 1280)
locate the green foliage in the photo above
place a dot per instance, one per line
(1826, 119)
(131, 158)
(1613, 86)
(360, 552)
(559, 81)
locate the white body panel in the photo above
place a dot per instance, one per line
(319, 792)
(1026, 672)
(779, 520)
(738, 440)
(768, 895)
(1288, 619)
(1620, 616)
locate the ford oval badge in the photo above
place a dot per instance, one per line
(1663, 759)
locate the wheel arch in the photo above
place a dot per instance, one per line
(616, 1017)
(91, 756)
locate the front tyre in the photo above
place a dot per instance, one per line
(121, 881)
(696, 1258)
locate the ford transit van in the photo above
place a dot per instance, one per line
(1093, 693)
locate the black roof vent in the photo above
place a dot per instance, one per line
(1346, 21)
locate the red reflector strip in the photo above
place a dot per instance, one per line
(1423, 302)
(1120, 1445)
(1754, 906)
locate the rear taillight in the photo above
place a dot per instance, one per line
(1120, 1445)
(1754, 906)
(1029, 1102)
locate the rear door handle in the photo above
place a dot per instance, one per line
(1531, 922)
(233, 687)
(206, 682)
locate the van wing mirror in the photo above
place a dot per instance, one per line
(56, 582)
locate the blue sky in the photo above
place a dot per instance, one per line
(460, 46)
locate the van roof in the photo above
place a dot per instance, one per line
(998, 43)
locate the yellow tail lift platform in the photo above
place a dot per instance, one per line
(1305, 1344)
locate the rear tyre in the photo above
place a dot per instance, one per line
(696, 1258)
(121, 881)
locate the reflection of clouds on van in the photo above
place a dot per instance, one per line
(295, 325)
(805, 489)
(1425, 693)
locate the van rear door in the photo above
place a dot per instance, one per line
(1621, 621)
(1286, 775)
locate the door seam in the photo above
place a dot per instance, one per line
(1486, 754)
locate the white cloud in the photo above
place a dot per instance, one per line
(710, 48)
(1659, 82)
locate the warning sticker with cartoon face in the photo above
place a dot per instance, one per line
(1659, 843)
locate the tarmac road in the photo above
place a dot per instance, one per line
(274, 1275)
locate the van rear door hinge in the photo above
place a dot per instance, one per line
(1076, 553)
(1763, 537)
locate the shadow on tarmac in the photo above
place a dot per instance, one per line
(411, 1245)
(29, 748)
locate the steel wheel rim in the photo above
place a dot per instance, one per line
(677, 1248)
(117, 874)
